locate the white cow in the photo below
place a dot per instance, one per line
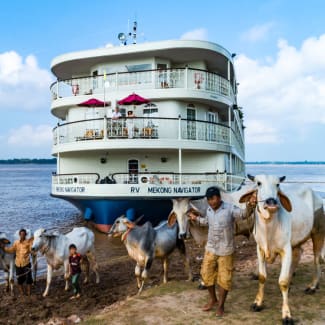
(283, 224)
(181, 207)
(7, 263)
(55, 247)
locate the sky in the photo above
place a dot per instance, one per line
(280, 63)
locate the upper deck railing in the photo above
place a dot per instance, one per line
(184, 78)
(147, 128)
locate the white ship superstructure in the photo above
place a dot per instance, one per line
(187, 137)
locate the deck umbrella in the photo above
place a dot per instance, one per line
(133, 99)
(93, 102)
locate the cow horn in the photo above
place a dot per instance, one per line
(251, 177)
(282, 179)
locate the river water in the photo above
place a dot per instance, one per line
(25, 200)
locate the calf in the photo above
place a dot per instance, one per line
(144, 243)
(283, 223)
(55, 247)
(7, 263)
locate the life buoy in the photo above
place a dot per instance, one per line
(167, 180)
(144, 179)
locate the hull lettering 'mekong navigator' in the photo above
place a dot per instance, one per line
(142, 124)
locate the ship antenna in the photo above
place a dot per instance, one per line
(135, 25)
(124, 38)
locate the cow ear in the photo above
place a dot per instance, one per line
(285, 201)
(5, 241)
(282, 179)
(245, 198)
(172, 219)
(251, 177)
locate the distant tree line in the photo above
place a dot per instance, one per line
(306, 162)
(17, 161)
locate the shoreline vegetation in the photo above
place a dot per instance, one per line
(52, 161)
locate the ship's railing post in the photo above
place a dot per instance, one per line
(57, 88)
(116, 80)
(58, 134)
(105, 128)
(186, 78)
(179, 127)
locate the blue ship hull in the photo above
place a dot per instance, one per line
(103, 212)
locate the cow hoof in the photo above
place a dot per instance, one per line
(202, 287)
(254, 276)
(287, 321)
(256, 308)
(310, 291)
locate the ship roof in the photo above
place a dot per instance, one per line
(179, 51)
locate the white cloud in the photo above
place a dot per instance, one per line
(257, 32)
(31, 136)
(23, 84)
(260, 132)
(109, 45)
(283, 93)
(195, 34)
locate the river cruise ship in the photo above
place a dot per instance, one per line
(142, 124)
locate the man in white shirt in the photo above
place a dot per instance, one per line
(116, 114)
(217, 265)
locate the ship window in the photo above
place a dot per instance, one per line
(133, 169)
(150, 109)
(139, 67)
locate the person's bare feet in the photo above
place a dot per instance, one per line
(210, 305)
(220, 312)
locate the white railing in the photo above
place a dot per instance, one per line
(147, 128)
(224, 180)
(151, 79)
(75, 179)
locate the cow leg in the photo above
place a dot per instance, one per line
(94, 265)
(296, 254)
(137, 272)
(85, 268)
(165, 267)
(284, 282)
(48, 280)
(7, 281)
(257, 305)
(318, 243)
(182, 249)
(34, 267)
(144, 274)
(66, 274)
(12, 269)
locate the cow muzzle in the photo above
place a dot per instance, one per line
(182, 235)
(271, 205)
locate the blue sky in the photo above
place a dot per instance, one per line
(280, 63)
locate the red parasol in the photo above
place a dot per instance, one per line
(93, 102)
(133, 99)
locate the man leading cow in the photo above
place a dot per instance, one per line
(217, 265)
(22, 248)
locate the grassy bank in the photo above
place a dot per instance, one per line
(179, 302)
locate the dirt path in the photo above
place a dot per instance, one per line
(176, 303)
